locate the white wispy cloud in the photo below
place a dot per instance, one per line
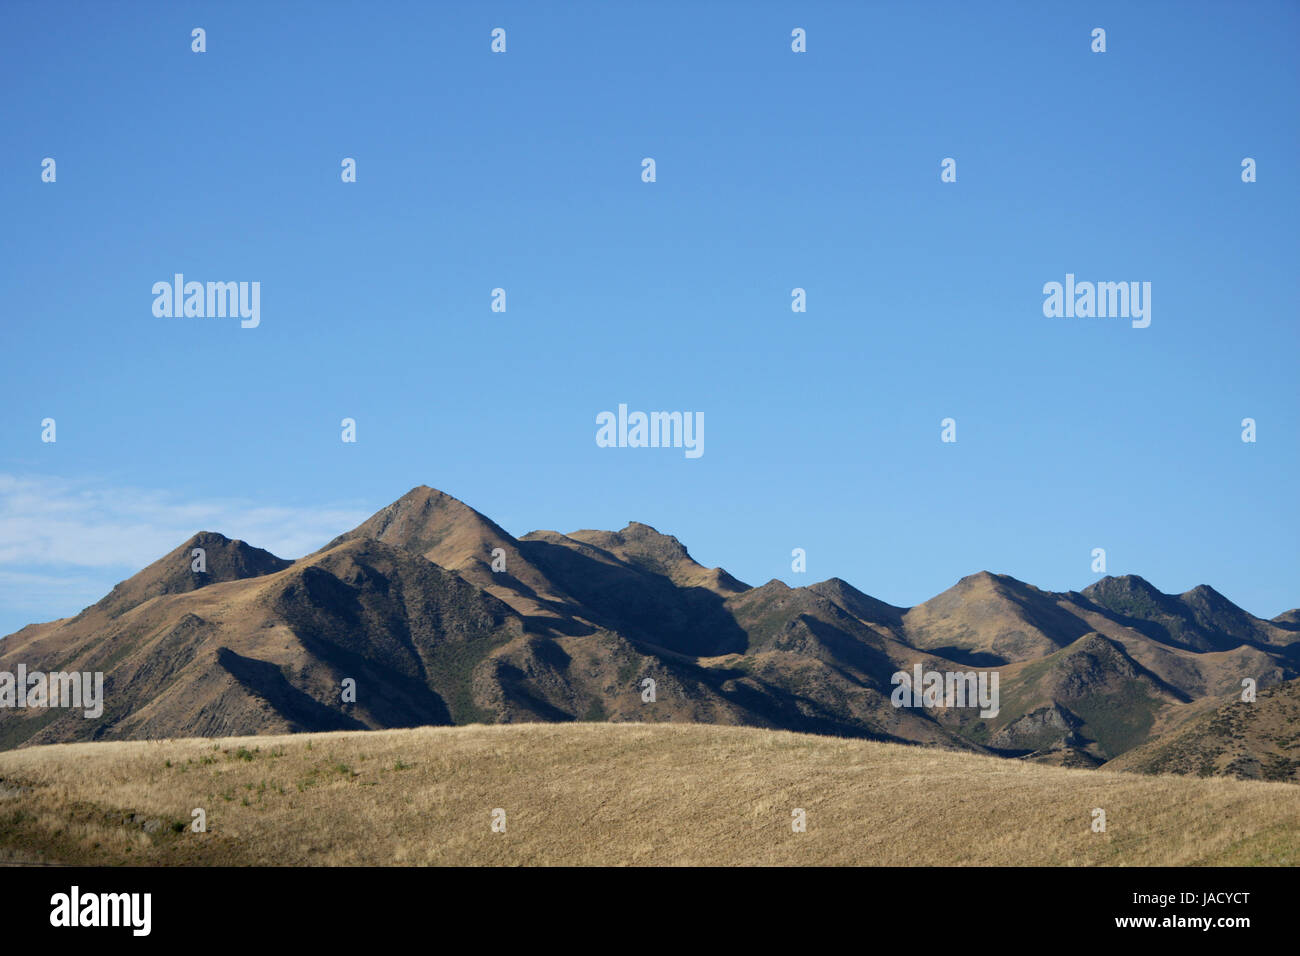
(64, 543)
(30, 597)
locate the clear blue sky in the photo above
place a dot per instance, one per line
(775, 170)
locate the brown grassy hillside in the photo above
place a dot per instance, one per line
(1259, 740)
(614, 794)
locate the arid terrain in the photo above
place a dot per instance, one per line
(438, 616)
(614, 794)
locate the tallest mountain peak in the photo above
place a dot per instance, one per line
(422, 493)
(426, 520)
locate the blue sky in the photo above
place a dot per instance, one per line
(775, 170)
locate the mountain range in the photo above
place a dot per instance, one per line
(440, 616)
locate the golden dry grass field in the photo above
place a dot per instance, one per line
(613, 794)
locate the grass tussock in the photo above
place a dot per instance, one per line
(614, 794)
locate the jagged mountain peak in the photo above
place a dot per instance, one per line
(644, 547)
(860, 605)
(182, 569)
(1121, 584)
